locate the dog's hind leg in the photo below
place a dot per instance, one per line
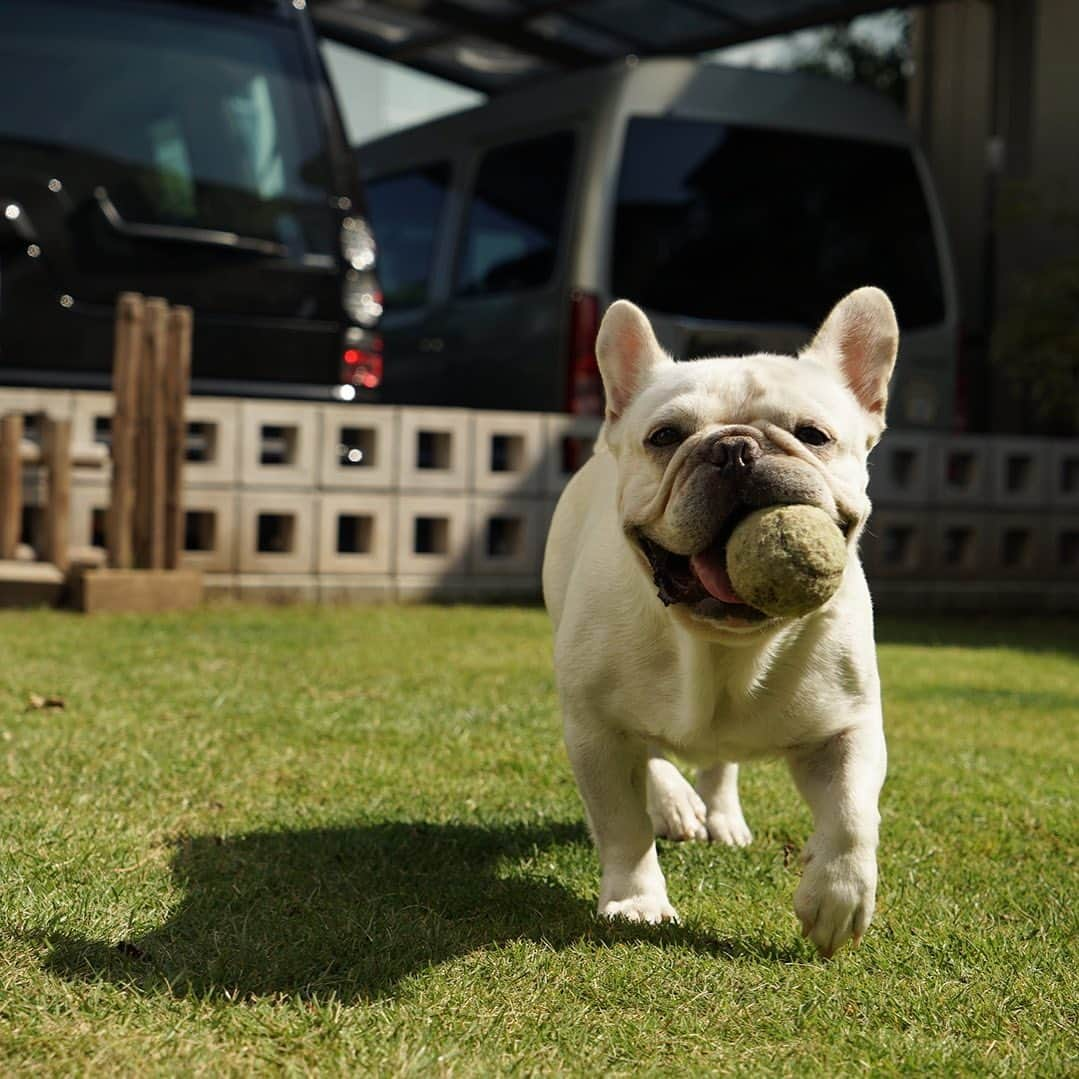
(675, 808)
(718, 786)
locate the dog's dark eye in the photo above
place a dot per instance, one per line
(665, 436)
(811, 436)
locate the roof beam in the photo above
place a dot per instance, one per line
(812, 15)
(332, 25)
(506, 32)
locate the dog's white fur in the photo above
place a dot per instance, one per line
(638, 679)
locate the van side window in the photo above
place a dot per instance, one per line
(406, 214)
(515, 218)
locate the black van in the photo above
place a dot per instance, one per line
(190, 150)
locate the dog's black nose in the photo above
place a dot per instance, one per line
(734, 454)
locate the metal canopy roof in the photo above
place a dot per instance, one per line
(493, 45)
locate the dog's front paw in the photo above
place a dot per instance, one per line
(674, 807)
(836, 896)
(640, 908)
(729, 826)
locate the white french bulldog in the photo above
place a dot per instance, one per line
(687, 450)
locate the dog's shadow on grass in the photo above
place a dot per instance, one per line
(353, 911)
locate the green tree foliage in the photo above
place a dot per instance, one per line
(1036, 338)
(872, 52)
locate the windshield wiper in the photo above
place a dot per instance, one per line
(216, 238)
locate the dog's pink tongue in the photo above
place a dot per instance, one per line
(711, 570)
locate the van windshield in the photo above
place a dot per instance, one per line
(727, 222)
(185, 115)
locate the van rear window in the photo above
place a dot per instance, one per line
(515, 219)
(727, 222)
(186, 115)
(407, 210)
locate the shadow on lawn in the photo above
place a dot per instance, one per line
(353, 911)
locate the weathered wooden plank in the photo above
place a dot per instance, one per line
(150, 441)
(10, 484)
(127, 351)
(30, 584)
(56, 456)
(143, 591)
(177, 384)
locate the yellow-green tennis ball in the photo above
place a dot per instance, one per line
(786, 560)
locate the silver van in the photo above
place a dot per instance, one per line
(735, 206)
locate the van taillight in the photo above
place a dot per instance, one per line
(584, 387)
(363, 366)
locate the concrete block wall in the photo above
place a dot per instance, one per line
(297, 500)
(338, 503)
(973, 522)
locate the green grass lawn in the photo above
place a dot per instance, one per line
(348, 841)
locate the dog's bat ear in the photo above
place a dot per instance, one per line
(628, 352)
(858, 341)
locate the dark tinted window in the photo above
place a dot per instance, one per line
(723, 222)
(406, 212)
(185, 115)
(515, 219)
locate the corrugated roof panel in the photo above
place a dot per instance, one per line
(493, 45)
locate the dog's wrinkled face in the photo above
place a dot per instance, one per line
(702, 444)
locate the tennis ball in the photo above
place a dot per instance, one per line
(786, 560)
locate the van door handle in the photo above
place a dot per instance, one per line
(431, 344)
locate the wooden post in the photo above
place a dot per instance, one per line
(150, 441)
(56, 456)
(177, 382)
(127, 351)
(10, 484)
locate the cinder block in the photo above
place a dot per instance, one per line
(435, 449)
(978, 596)
(1064, 599)
(212, 450)
(895, 544)
(1064, 546)
(508, 449)
(277, 533)
(961, 546)
(279, 443)
(898, 596)
(432, 535)
(435, 588)
(211, 537)
(59, 404)
(219, 587)
(35, 484)
(1064, 474)
(899, 469)
(356, 533)
(506, 537)
(358, 447)
(1019, 473)
(504, 588)
(569, 443)
(546, 516)
(370, 590)
(91, 418)
(275, 588)
(87, 516)
(961, 472)
(1019, 545)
